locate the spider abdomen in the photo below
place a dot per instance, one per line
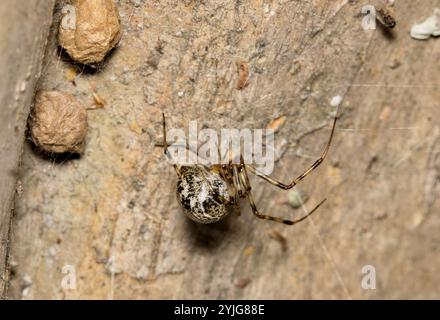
(203, 194)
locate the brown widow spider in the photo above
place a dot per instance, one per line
(207, 193)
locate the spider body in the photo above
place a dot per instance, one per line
(203, 194)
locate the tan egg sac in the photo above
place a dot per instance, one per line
(95, 32)
(58, 123)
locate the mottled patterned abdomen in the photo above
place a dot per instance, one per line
(203, 194)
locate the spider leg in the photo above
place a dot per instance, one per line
(236, 182)
(305, 173)
(236, 187)
(164, 135)
(235, 196)
(245, 179)
(227, 173)
(276, 219)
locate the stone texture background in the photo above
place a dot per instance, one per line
(24, 30)
(113, 216)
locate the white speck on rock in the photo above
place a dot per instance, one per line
(297, 198)
(429, 27)
(111, 266)
(27, 280)
(26, 292)
(142, 273)
(389, 2)
(48, 220)
(23, 87)
(53, 251)
(266, 8)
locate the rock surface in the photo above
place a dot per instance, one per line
(113, 217)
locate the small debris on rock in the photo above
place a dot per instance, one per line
(277, 123)
(295, 68)
(160, 45)
(381, 215)
(430, 27)
(243, 283)
(276, 235)
(394, 64)
(71, 75)
(135, 128)
(248, 251)
(99, 101)
(385, 114)
(19, 187)
(243, 74)
(296, 198)
(27, 281)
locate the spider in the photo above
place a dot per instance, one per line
(207, 193)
